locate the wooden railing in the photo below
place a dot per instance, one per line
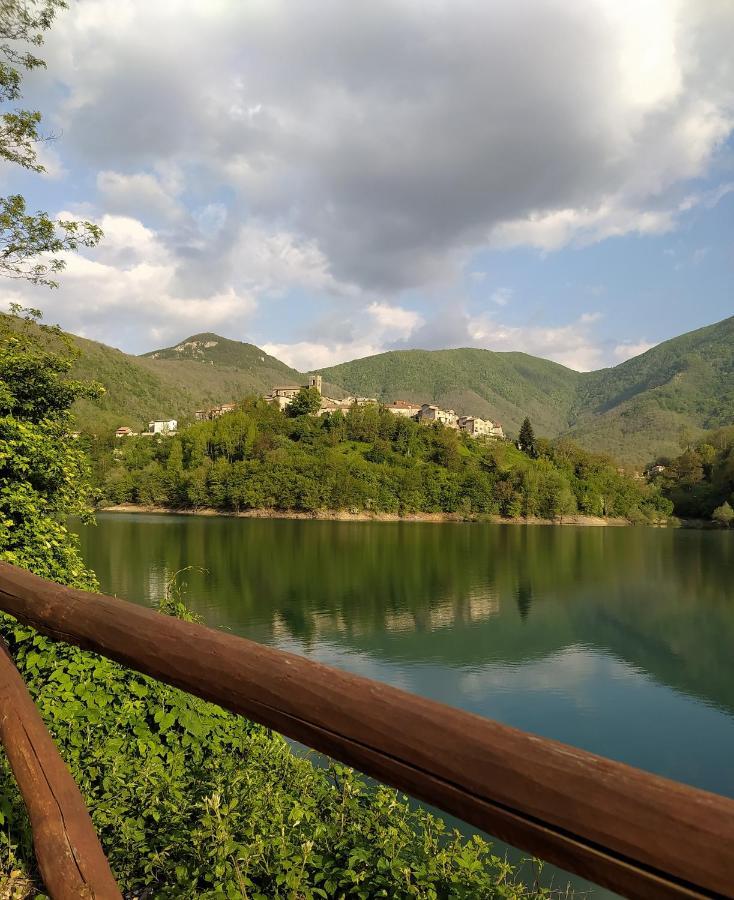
(636, 833)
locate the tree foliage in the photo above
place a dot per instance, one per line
(723, 515)
(526, 438)
(700, 482)
(29, 241)
(43, 469)
(368, 459)
(306, 402)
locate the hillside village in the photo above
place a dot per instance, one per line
(283, 395)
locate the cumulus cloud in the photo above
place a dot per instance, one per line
(501, 296)
(126, 294)
(385, 327)
(573, 345)
(397, 136)
(628, 349)
(139, 194)
(360, 154)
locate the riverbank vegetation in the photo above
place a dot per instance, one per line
(700, 481)
(369, 459)
(188, 800)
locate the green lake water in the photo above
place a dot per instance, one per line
(616, 640)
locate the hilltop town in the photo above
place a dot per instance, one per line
(427, 413)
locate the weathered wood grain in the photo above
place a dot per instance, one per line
(69, 855)
(641, 835)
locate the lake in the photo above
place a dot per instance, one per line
(616, 640)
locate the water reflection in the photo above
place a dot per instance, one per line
(616, 640)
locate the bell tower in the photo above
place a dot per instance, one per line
(316, 382)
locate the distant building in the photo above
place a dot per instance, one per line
(331, 406)
(344, 405)
(477, 427)
(124, 431)
(214, 412)
(429, 414)
(282, 395)
(655, 470)
(165, 426)
(404, 408)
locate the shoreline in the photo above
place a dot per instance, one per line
(366, 516)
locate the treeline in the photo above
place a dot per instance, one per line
(366, 459)
(700, 482)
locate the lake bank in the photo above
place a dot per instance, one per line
(365, 516)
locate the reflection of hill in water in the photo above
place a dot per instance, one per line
(455, 595)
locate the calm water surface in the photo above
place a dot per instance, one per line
(616, 640)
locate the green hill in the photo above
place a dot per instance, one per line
(169, 384)
(502, 386)
(634, 411)
(640, 408)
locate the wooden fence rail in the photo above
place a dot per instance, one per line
(641, 835)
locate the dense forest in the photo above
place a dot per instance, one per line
(368, 459)
(700, 481)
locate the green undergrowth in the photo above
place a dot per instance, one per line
(191, 801)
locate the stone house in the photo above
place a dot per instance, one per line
(403, 408)
(282, 395)
(477, 427)
(430, 413)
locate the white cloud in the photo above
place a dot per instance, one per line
(395, 320)
(274, 261)
(126, 294)
(551, 231)
(502, 296)
(307, 356)
(140, 194)
(381, 328)
(628, 349)
(396, 138)
(572, 345)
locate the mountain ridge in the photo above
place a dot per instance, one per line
(635, 410)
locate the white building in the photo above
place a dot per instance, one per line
(429, 414)
(166, 426)
(477, 427)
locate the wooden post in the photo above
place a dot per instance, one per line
(68, 852)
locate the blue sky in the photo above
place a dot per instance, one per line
(331, 180)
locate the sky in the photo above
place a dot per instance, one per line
(331, 179)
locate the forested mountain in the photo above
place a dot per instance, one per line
(170, 384)
(634, 411)
(637, 410)
(501, 386)
(658, 400)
